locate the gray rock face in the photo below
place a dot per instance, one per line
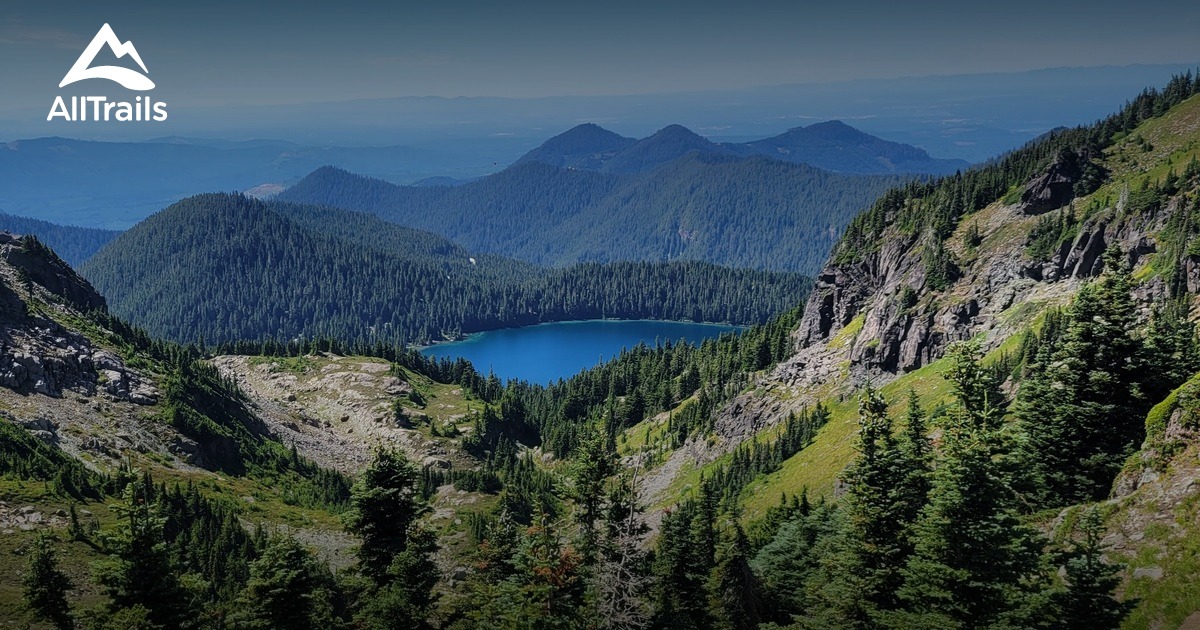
(44, 268)
(37, 354)
(1052, 189)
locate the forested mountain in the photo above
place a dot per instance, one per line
(586, 147)
(836, 146)
(1034, 312)
(833, 146)
(227, 268)
(751, 212)
(665, 145)
(74, 244)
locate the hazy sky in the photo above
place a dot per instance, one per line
(237, 51)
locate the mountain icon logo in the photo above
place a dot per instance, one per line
(129, 79)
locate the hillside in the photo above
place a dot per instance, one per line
(227, 268)
(985, 416)
(97, 419)
(1011, 256)
(751, 212)
(665, 145)
(74, 244)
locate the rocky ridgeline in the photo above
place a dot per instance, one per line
(40, 356)
(907, 325)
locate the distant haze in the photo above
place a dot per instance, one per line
(233, 51)
(358, 72)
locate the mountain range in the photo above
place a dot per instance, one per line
(752, 212)
(113, 185)
(833, 146)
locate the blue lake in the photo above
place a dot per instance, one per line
(548, 352)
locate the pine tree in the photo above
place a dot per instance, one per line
(973, 558)
(46, 585)
(738, 603)
(396, 551)
(405, 601)
(74, 527)
(1169, 355)
(592, 466)
(1086, 602)
(793, 557)
(385, 507)
(887, 487)
(286, 590)
(622, 574)
(682, 567)
(138, 572)
(1081, 409)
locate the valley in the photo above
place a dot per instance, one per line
(963, 399)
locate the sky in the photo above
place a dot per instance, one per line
(216, 52)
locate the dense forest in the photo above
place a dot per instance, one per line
(225, 268)
(73, 244)
(742, 212)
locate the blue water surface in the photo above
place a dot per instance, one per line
(548, 352)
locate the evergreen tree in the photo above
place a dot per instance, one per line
(544, 587)
(681, 568)
(396, 552)
(287, 590)
(405, 601)
(385, 507)
(1169, 355)
(974, 563)
(46, 585)
(137, 573)
(792, 557)
(1081, 409)
(622, 574)
(592, 466)
(886, 488)
(1086, 602)
(738, 604)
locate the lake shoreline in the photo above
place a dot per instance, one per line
(546, 352)
(466, 336)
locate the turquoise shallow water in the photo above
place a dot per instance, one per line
(548, 352)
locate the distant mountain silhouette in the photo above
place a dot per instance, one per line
(836, 146)
(667, 144)
(833, 146)
(586, 146)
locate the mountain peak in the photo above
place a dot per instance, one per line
(837, 146)
(585, 146)
(669, 143)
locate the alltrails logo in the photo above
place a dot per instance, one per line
(99, 108)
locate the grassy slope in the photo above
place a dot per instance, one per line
(1175, 138)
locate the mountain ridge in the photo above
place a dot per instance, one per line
(719, 208)
(832, 145)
